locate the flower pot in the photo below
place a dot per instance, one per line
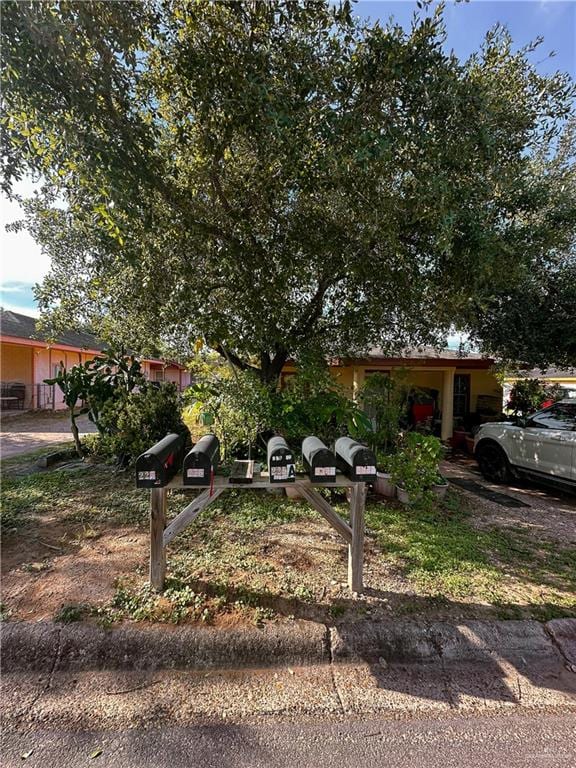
(458, 439)
(384, 486)
(470, 444)
(439, 489)
(402, 495)
(293, 492)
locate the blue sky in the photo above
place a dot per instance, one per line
(22, 262)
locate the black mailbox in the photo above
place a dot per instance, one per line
(202, 461)
(355, 460)
(160, 463)
(280, 461)
(318, 460)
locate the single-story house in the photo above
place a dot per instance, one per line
(26, 360)
(564, 378)
(463, 390)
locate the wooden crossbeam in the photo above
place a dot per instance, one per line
(321, 505)
(190, 513)
(353, 534)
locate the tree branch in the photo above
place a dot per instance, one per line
(315, 307)
(234, 359)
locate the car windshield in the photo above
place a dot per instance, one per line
(559, 416)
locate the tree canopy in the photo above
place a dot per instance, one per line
(279, 179)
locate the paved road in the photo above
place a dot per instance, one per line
(514, 741)
(29, 432)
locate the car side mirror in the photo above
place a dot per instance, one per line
(522, 421)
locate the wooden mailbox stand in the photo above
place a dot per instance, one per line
(161, 534)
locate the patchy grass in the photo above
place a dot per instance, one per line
(252, 556)
(71, 613)
(25, 463)
(178, 603)
(86, 495)
(444, 556)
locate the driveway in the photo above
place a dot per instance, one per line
(21, 434)
(543, 511)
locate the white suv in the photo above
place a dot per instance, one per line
(543, 447)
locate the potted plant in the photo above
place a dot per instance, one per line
(383, 484)
(440, 486)
(405, 478)
(414, 468)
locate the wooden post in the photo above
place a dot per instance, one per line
(157, 549)
(356, 548)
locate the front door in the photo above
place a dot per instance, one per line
(461, 395)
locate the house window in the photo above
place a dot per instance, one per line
(461, 394)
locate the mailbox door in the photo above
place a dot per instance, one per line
(197, 469)
(323, 469)
(150, 472)
(282, 468)
(364, 467)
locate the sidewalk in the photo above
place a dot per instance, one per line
(80, 676)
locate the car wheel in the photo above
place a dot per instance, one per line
(493, 462)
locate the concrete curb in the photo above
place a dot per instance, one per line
(563, 633)
(408, 641)
(47, 647)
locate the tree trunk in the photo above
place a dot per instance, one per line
(75, 433)
(271, 368)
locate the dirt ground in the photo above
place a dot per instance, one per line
(56, 566)
(550, 514)
(28, 431)
(256, 556)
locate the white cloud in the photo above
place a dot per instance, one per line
(22, 259)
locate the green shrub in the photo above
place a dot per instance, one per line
(384, 398)
(415, 467)
(527, 395)
(235, 406)
(133, 421)
(243, 412)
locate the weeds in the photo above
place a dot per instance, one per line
(71, 613)
(178, 603)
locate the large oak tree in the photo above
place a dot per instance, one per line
(277, 178)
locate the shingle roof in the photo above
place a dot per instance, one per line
(411, 353)
(24, 327)
(550, 373)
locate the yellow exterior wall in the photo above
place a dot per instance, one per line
(567, 381)
(343, 377)
(482, 381)
(16, 366)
